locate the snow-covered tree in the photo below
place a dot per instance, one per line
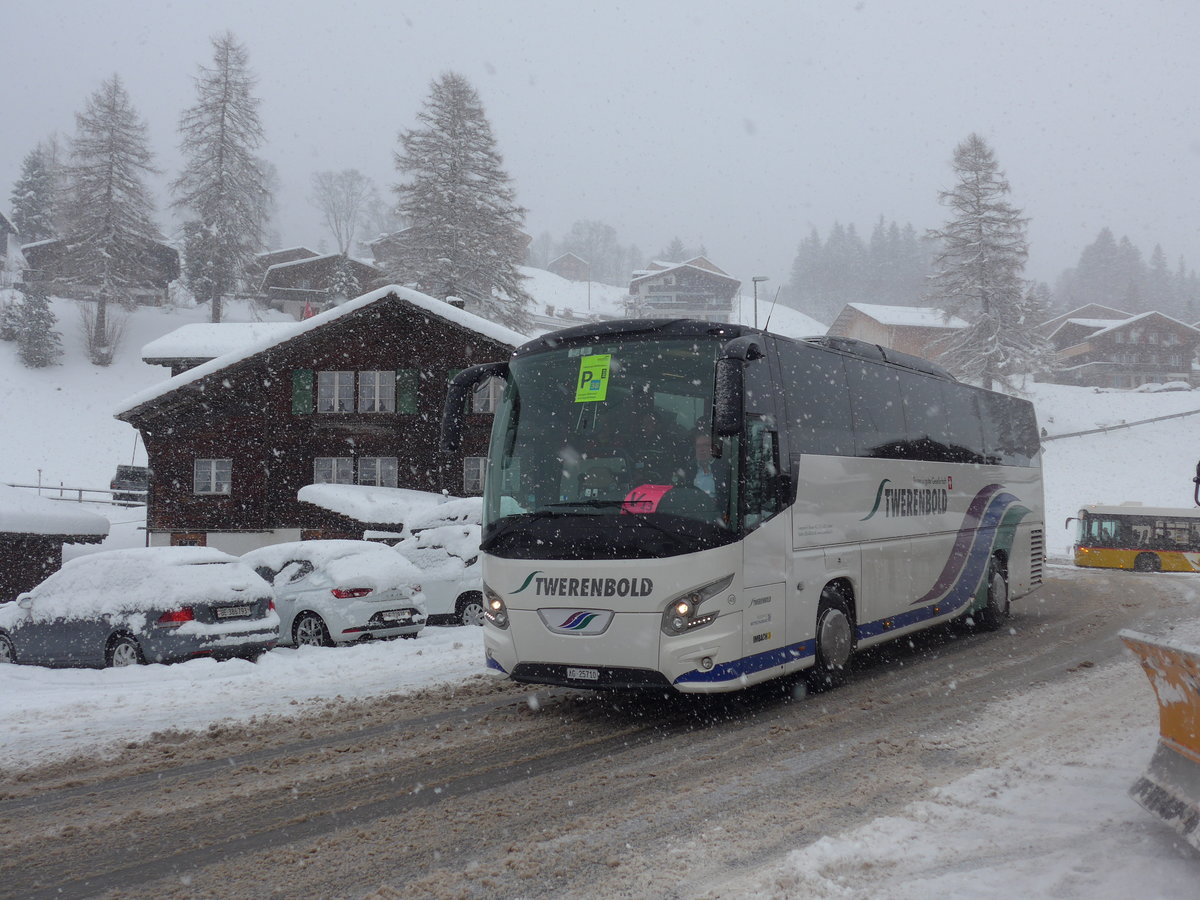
(35, 195)
(222, 187)
(343, 284)
(343, 199)
(38, 342)
(977, 274)
(465, 234)
(107, 219)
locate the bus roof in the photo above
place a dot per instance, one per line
(1136, 509)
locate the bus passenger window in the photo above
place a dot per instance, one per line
(762, 474)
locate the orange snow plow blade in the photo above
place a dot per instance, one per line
(1170, 788)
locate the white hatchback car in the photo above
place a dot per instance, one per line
(444, 544)
(338, 592)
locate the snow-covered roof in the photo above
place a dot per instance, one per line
(1125, 323)
(312, 259)
(208, 340)
(376, 505)
(266, 253)
(908, 316)
(23, 512)
(491, 330)
(698, 262)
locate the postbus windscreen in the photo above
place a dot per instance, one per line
(603, 451)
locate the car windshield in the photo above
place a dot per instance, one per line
(618, 431)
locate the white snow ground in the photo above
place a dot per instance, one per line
(1049, 818)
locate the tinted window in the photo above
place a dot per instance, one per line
(963, 432)
(1009, 430)
(878, 409)
(818, 404)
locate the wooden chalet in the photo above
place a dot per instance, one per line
(571, 267)
(257, 270)
(308, 281)
(11, 260)
(49, 264)
(353, 395)
(33, 530)
(695, 289)
(1150, 348)
(909, 329)
(1090, 311)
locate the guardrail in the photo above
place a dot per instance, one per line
(1105, 428)
(76, 494)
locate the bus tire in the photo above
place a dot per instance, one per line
(1147, 562)
(834, 640)
(994, 613)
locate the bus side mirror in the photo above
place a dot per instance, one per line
(456, 401)
(1196, 481)
(729, 387)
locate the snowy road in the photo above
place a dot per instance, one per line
(492, 790)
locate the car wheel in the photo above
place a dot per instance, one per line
(834, 640)
(123, 650)
(8, 653)
(310, 631)
(470, 610)
(992, 616)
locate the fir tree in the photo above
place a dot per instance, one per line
(977, 274)
(107, 218)
(38, 342)
(35, 195)
(223, 185)
(464, 237)
(343, 284)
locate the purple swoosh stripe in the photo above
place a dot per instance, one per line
(962, 544)
(573, 620)
(981, 552)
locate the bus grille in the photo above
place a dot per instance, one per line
(1037, 555)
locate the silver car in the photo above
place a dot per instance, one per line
(150, 604)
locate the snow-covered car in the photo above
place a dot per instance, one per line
(148, 604)
(444, 544)
(337, 592)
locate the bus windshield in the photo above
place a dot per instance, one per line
(604, 451)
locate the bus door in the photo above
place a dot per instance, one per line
(768, 539)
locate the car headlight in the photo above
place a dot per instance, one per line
(494, 610)
(683, 612)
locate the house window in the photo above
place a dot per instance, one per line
(212, 476)
(333, 470)
(473, 469)
(487, 395)
(335, 392)
(377, 392)
(379, 471)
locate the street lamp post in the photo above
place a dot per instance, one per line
(756, 279)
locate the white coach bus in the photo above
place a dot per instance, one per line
(704, 506)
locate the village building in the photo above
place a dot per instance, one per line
(12, 262)
(33, 530)
(695, 289)
(1121, 351)
(308, 284)
(48, 264)
(257, 270)
(909, 329)
(352, 396)
(571, 267)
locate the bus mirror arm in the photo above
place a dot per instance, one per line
(1196, 482)
(456, 401)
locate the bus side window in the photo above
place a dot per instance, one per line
(761, 480)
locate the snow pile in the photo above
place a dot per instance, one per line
(24, 512)
(366, 503)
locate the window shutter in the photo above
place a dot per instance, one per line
(302, 391)
(406, 391)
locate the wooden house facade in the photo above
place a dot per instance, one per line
(291, 285)
(571, 267)
(909, 329)
(33, 530)
(1150, 348)
(351, 396)
(695, 289)
(51, 265)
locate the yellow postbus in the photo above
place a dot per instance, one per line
(1141, 538)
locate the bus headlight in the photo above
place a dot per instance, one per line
(494, 610)
(683, 612)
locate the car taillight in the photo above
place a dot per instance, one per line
(177, 616)
(350, 593)
(270, 606)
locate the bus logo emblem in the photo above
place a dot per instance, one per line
(576, 621)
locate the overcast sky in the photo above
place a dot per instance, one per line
(738, 126)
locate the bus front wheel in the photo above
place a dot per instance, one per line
(1147, 562)
(834, 640)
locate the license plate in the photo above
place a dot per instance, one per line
(583, 674)
(394, 615)
(231, 612)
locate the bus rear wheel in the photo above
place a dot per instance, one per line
(992, 615)
(834, 641)
(1147, 562)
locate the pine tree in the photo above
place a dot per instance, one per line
(977, 274)
(343, 284)
(108, 228)
(464, 237)
(223, 185)
(38, 342)
(35, 195)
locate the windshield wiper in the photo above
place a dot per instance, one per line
(590, 503)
